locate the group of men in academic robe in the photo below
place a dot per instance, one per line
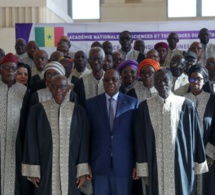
(67, 145)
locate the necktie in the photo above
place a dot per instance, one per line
(111, 114)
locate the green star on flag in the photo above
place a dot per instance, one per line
(48, 36)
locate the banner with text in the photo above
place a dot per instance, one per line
(83, 35)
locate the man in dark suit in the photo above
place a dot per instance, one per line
(112, 147)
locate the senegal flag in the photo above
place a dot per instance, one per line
(48, 36)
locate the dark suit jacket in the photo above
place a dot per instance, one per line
(80, 91)
(207, 88)
(37, 84)
(35, 78)
(118, 142)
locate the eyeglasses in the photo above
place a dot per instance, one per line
(165, 81)
(210, 64)
(118, 59)
(194, 48)
(95, 59)
(126, 72)
(40, 58)
(149, 73)
(61, 87)
(198, 80)
(125, 38)
(12, 68)
(113, 79)
(20, 45)
(190, 61)
(49, 75)
(178, 65)
(63, 50)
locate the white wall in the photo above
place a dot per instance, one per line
(7, 39)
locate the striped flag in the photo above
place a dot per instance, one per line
(48, 36)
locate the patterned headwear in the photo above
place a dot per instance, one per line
(161, 44)
(65, 58)
(151, 62)
(132, 63)
(56, 66)
(9, 58)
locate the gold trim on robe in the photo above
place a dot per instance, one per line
(210, 150)
(142, 169)
(167, 115)
(31, 170)
(10, 107)
(82, 169)
(92, 86)
(144, 93)
(60, 118)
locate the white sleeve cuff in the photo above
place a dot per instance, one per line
(31, 170)
(82, 169)
(210, 150)
(142, 169)
(200, 168)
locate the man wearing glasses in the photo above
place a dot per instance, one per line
(12, 128)
(169, 145)
(180, 80)
(57, 143)
(51, 70)
(125, 40)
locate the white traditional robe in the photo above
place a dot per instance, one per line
(10, 111)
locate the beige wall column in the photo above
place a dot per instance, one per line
(25, 11)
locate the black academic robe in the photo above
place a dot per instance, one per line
(208, 179)
(205, 103)
(170, 152)
(23, 186)
(80, 91)
(40, 146)
(35, 78)
(35, 99)
(74, 80)
(37, 85)
(131, 92)
(141, 57)
(207, 87)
